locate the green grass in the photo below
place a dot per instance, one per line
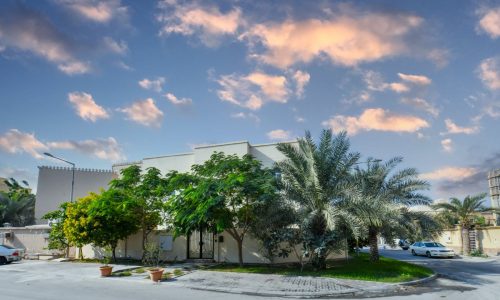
(122, 274)
(357, 268)
(140, 271)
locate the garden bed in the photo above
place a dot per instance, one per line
(356, 268)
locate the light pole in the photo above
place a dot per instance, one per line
(73, 172)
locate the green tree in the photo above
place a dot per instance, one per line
(464, 211)
(149, 190)
(57, 239)
(77, 225)
(313, 177)
(17, 205)
(112, 217)
(380, 199)
(220, 194)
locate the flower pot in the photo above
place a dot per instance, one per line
(155, 274)
(106, 271)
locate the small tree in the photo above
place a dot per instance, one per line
(113, 217)
(57, 239)
(77, 225)
(220, 194)
(465, 212)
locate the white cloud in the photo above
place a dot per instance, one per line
(349, 37)
(279, 135)
(447, 145)
(440, 57)
(490, 21)
(118, 47)
(253, 90)
(489, 72)
(449, 173)
(244, 115)
(107, 149)
(422, 104)
(453, 128)
(398, 87)
(97, 10)
(27, 30)
(15, 141)
(376, 119)
(415, 79)
(152, 84)
(208, 23)
(301, 80)
(144, 112)
(86, 107)
(375, 82)
(176, 101)
(124, 66)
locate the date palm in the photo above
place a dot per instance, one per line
(312, 179)
(464, 211)
(380, 197)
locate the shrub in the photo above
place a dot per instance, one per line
(178, 272)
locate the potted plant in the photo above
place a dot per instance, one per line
(106, 270)
(152, 258)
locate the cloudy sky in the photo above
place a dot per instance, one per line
(99, 82)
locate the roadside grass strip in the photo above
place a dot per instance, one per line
(356, 268)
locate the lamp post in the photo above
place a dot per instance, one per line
(73, 172)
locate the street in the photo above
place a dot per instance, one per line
(470, 278)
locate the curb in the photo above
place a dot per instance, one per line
(353, 292)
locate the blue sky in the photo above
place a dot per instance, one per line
(98, 82)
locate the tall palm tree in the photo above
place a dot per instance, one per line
(312, 178)
(379, 198)
(464, 211)
(17, 206)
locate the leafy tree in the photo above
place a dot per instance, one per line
(57, 238)
(220, 194)
(77, 225)
(17, 205)
(149, 190)
(112, 217)
(464, 211)
(380, 198)
(313, 177)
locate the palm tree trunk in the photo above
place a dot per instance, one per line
(465, 241)
(373, 241)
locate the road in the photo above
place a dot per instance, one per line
(471, 279)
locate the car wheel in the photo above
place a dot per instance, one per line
(429, 254)
(9, 262)
(3, 260)
(413, 252)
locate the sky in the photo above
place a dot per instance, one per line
(101, 82)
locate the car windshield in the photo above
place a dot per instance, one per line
(430, 245)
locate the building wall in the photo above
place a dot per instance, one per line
(494, 185)
(54, 187)
(488, 239)
(30, 238)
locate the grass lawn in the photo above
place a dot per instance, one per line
(358, 268)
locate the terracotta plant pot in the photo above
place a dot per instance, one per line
(106, 271)
(155, 274)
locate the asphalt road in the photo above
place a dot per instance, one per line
(471, 279)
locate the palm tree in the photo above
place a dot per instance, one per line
(312, 178)
(379, 198)
(464, 211)
(17, 206)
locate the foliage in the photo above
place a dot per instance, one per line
(178, 272)
(57, 238)
(478, 253)
(313, 178)
(465, 212)
(149, 190)
(220, 194)
(151, 255)
(113, 217)
(357, 268)
(77, 225)
(17, 205)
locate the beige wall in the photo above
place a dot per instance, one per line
(33, 240)
(488, 240)
(54, 187)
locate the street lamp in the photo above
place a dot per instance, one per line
(73, 171)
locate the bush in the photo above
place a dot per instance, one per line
(178, 272)
(151, 255)
(478, 253)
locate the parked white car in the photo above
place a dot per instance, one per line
(9, 254)
(431, 249)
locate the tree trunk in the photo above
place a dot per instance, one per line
(80, 253)
(240, 251)
(373, 241)
(114, 253)
(465, 241)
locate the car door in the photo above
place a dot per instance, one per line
(418, 249)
